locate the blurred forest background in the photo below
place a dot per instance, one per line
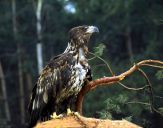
(130, 31)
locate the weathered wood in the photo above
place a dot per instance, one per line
(83, 122)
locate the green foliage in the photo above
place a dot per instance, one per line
(105, 114)
(160, 109)
(99, 50)
(159, 74)
(129, 118)
(115, 106)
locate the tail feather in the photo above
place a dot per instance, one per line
(34, 118)
(32, 99)
(34, 113)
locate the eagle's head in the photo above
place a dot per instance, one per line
(79, 36)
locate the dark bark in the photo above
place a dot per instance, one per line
(20, 71)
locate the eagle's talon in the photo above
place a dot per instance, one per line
(76, 114)
(69, 112)
(55, 116)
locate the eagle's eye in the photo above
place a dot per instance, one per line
(85, 27)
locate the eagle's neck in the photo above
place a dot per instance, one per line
(70, 48)
(74, 46)
(79, 52)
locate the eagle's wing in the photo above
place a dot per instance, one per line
(42, 102)
(42, 94)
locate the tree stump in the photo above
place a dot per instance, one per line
(74, 121)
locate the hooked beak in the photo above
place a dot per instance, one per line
(92, 29)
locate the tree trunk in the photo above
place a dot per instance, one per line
(4, 94)
(20, 72)
(128, 31)
(39, 35)
(21, 85)
(129, 44)
(29, 82)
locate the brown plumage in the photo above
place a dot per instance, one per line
(62, 79)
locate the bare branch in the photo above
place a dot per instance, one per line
(134, 89)
(111, 80)
(104, 62)
(147, 104)
(154, 66)
(138, 102)
(150, 88)
(159, 97)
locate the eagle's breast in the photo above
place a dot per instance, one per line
(73, 76)
(80, 74)
(80, 68)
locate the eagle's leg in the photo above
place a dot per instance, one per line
(55, 116)
(69, 112)
(70, 105)
(71, 108)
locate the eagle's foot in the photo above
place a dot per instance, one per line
(55, 116)
(69, 112)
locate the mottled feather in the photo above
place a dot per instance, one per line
(62, 78)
